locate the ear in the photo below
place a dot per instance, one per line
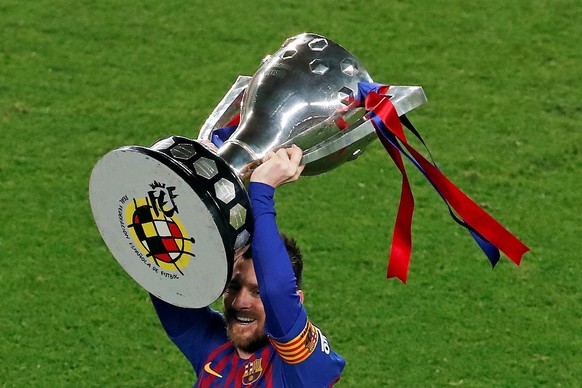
(301, 296)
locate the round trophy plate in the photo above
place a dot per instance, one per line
(172, 215)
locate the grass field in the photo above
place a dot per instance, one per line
(78, 79)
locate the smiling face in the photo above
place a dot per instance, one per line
(243, 309)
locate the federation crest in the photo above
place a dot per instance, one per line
(154, 225)
(156, 214)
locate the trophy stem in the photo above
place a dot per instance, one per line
(240, 157)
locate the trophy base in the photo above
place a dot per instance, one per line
(173, 216)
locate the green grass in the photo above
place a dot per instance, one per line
(78, 79)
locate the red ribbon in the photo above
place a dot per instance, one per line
(468, 210)
(402, 236)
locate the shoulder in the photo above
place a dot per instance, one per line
(308, 358)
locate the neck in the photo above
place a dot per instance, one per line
(242, 354)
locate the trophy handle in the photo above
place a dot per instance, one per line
(226, 109)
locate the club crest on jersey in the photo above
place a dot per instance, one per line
(311, 338)
(299, 348)
(253, 371)
(158, 236)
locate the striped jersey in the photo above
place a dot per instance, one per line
(297, 355)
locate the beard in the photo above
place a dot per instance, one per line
(242, 337)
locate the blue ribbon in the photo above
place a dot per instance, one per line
(364, 88)
(220, 135)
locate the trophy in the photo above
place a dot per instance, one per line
(175, 214)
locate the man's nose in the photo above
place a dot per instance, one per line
(242, 300)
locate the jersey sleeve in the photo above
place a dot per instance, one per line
(196, 332)
(308, 359)
(277, 283)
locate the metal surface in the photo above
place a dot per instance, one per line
(296, 97)
(226, 109)
(304, 86)
(404, 99)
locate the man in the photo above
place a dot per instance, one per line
(264, 338)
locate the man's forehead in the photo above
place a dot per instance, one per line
(244, 271)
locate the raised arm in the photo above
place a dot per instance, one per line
(277, 283)
(308, 360)
(194, 331)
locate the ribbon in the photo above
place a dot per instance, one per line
(220, 135)
(489, 234)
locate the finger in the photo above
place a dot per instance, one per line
(283, 153)
(297, 173)
(270, 155)
(295, 155)
(300, 169)
(209, 145)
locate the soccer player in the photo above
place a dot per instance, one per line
(264, 338)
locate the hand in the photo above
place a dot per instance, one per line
(208, 144)
(279, 167)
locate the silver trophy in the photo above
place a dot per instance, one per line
(175, 214)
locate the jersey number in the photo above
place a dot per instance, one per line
(324, 343)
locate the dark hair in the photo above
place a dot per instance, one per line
(296, 258)
(294, 255)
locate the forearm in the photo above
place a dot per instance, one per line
(193, 331)
(277, 283)
(176, 320)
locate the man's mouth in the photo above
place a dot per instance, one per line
(239, 318)
(243, 320)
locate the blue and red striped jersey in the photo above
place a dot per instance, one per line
(298, 354)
